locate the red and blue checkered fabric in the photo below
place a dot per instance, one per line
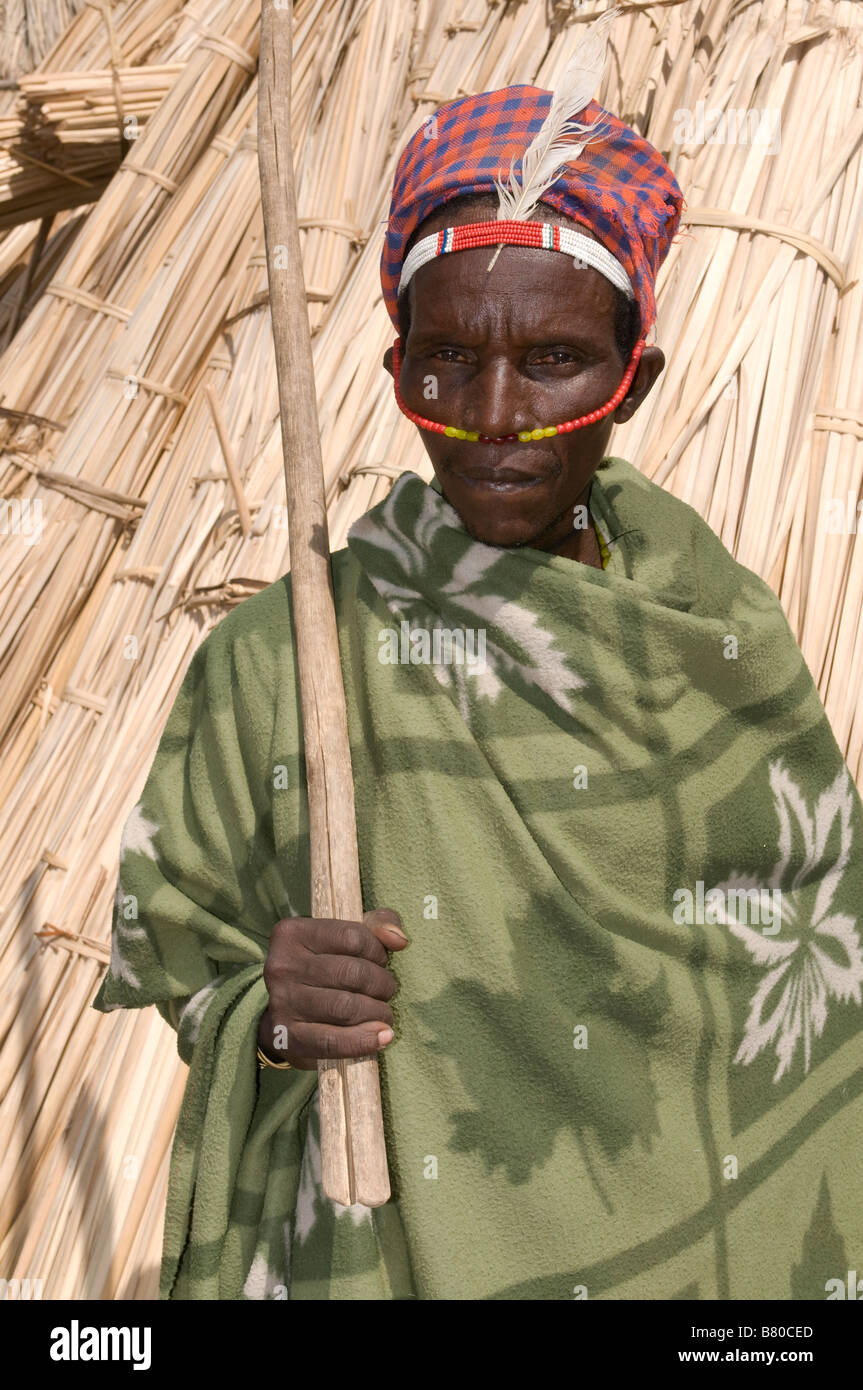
(620, 186)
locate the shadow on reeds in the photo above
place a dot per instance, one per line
(35, 1056)
(86, 1130)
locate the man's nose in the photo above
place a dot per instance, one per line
(494, 402)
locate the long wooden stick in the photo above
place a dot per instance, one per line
(353, 1153)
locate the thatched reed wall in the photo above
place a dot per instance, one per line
(29, 30)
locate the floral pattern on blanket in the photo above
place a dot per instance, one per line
(406, 573)
(822, 959)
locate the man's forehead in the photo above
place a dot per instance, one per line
(527, 287)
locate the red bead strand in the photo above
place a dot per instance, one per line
(474, 436)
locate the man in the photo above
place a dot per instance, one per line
(594, 783)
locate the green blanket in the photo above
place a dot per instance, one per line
(626, 851)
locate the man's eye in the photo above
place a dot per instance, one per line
(560, 355)
(555, 357)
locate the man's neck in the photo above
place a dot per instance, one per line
(574, 542)
(581, 545)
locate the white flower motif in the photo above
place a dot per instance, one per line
(124, 931)
(137, 838)
(192, 1014)
(262, 1281)
(138, 834)
(310, 1189)
(546, 665)
(542, 663)
(824, 958)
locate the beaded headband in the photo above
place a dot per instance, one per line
(544, 235)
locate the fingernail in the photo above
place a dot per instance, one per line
(396, 931)
(385, 1036)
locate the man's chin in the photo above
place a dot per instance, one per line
(507, 537)
(506, 522)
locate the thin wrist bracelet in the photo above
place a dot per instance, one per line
(264, 1061)
(475, 436)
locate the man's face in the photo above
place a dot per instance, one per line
(529, 345)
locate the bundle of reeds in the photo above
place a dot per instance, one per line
(69, 133)
(138, 408)
(30, 28)
(103, 37)
(758, 423)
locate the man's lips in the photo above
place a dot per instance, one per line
(500, 479)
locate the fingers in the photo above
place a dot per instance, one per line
(311, 1042)
(352, 973)
(387, 927)
(338, 1006)
(323, 936)
(380, 931)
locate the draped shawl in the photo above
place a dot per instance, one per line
(626, 851)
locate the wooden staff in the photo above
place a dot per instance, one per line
(353, 1152)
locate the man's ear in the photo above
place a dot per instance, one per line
(650, 365)
(388, 360)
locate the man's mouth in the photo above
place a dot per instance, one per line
(501, 479)
(500, 485)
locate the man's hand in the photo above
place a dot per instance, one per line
(329, 985)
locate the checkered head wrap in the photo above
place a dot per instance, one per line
(619, 186)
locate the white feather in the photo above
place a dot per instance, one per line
(549, 150)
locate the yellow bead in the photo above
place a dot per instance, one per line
(551, 429)
(537, 434)
(525, 435)
(450, 431)
(461, 434)
(473, 435)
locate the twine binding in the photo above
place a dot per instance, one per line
(228, 49)
(129, 165)
(740, 222)
(839, 421)
(159, 388)
(88, 301)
